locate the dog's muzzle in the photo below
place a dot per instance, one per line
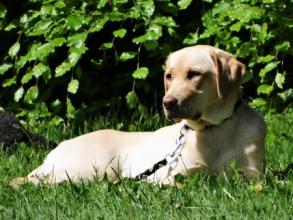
(176, 110)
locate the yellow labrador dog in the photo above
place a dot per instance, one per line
(202, 93)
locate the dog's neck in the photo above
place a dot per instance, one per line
(208, 122)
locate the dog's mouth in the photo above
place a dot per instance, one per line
(181, 112)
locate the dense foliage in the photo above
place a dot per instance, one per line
(62, 57)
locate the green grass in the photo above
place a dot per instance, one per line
(201, 197)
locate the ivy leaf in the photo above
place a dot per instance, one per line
(75, 54)
(39, 69)
(166, 21)
(77, 40)
(31, 55)
(70, 110)
(269, 67)
(75, 21)
(183, 4)
(5, 67)
(27, 77)
(57, 30)
(127, 56)
(280, 80)
(73, 86)
(56, 104)
(116, 16)
(153, 33)
(268, 1)
(120, 33)
(18, 94)
(24, 20)
(131, 100)
(98, 24)
(102, 3)
(47, 9)
(282, 46)
(73, 57)
(236, 27)
(263, 35)
(140, 39)
(265, 59)
(60, 4)
(10, 27)
(58, 42)
(191, 39)
(265, 89)
(14, 49)
(258, 103)
(107, 46)
(31, 94)
(62, 68)
(3, 11)
(286, 95)
(42, 51)
(9, 82)
(40, 28)
(55, 121)
(141, 73)
(148, 8)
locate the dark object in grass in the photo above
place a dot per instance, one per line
(285, 173)
(12, 132)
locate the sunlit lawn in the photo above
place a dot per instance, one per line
(201, 197)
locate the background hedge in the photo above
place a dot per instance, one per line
(71, 57)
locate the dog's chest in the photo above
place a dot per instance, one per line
(209, 150)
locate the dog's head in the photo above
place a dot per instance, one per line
(202, 84)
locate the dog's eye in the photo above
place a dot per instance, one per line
(191, 74)
(168, 76)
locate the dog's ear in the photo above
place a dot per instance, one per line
(229, 73)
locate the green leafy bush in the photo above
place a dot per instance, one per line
(69, 57)
(260, 33)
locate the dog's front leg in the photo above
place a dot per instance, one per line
(252, 162)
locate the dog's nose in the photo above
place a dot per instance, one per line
(169, 102)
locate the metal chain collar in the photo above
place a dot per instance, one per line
(170, 157)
